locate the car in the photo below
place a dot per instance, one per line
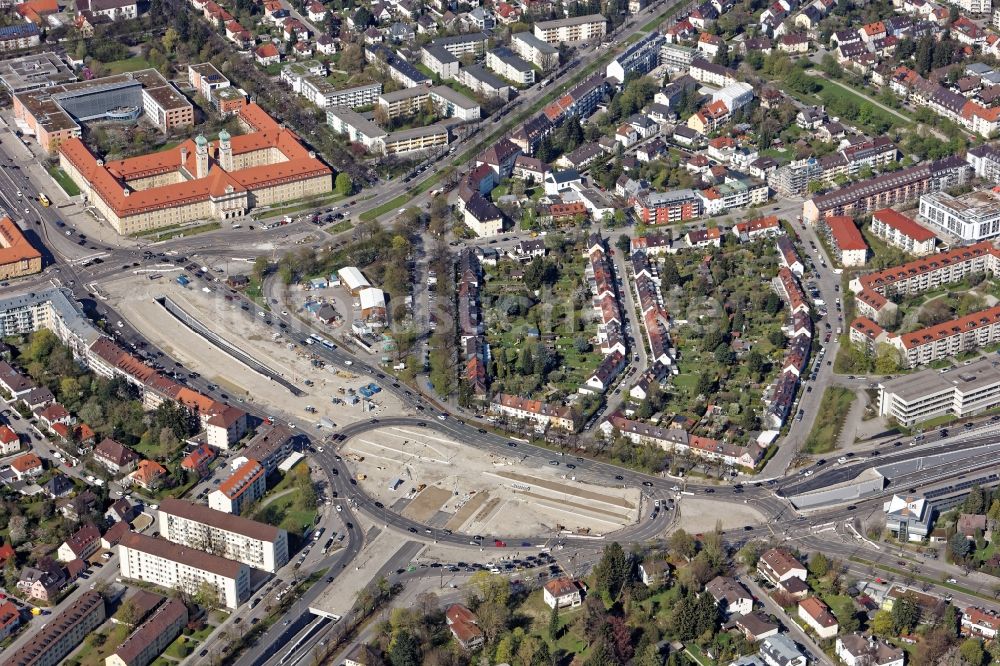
(648, 484)
(411, 530)
(619, 477)
(709, 491)
(951, 581)
(512, 444)
(481, 431)
(748, 528)
(554, 463)
(809, 472)
(570, 466)
(442, 417)
(339, 507)
(851, 507)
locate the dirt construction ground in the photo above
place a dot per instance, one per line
(454, 486)
(700, 515)
(135, 300)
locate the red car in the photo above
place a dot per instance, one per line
(499, 544)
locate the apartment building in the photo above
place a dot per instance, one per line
(172, 566)
(668, 207)
(152, 637)
(873, 291)
(534, 50)
(581, 101)
(676, 55)
(923, 395)
(778, 565)
(404, 102)
(196, 526)
(543, 414)
(888, 189)
(973, 331)
(474, 43)
(357, 128)
(414, 139)
(902, 232)
(18, 257)
(19, 36)
(440, 61)
(453, 104)
(60, 636)
(483, 82)
(680, 441)
(240, 489)
(323, 94)
(640, 58)
(574, 29)
(703, 71)
(510, 66)
(848, 245)
(985, 159)
(968, 218)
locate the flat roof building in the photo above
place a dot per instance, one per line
(54, 113)
(961, 392)
(31, 72)
(534, 50)
(171, 565)
(970, 218)
(255, 544)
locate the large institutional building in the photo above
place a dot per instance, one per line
(54, 113)
(17, 256)
(199, 179)
(924, 395)
(194, 525)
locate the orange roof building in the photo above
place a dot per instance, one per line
(199, 179)
(34, 10)
(17, 256)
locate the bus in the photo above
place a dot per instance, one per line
(44, 200)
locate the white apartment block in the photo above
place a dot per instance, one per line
(975, 6)
(440, 61)
(174, 566)
(404, 102)
(454, 104)
(900, 231)
(510, 66)
(240, 489)
(357, 128)
(321, 92)
(196, 526)
(534, 50)
(573, 29)
(415, 139)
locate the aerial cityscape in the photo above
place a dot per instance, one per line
(523, 332)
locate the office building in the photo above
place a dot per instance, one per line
(60, 636)
(196, 526)
(54, 113)
(34, 71)
(968, 218)
(198, 179)
(901, 232)
(172, 566)
(961, 392)
(574, 29)
(909, 518)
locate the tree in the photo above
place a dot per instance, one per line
(404, 650)
(611, 572)
(17, 530)
(972, 652)
(883, 624)
(169, 40)
(959, 546)
(624, 243)
(819, 565)
(207, 596)
(344, 184)
(682, 544)
(974, 502)
(554, 623)
(905, 614)
(128, 613)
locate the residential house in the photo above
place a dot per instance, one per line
(149, 474)
(730, 596)
(115, 456)
(860, 650)
(561, 593)
(778, 565)
(464, 626)
(27, 466)
(817, 615)
(654, 572)
(81, 544)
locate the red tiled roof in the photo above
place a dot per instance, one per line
(903, 224)
(845, 233)
(26, 462)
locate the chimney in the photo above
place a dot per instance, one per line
(126, 191)
(184, 156)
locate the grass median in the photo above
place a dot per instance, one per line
(833, 410)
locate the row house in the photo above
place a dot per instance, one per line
(542, 414)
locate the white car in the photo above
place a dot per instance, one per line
(284, 313)
(339, 508)
(320, 449)
(809, 472)
(842, 459)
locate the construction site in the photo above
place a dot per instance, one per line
(434, 480)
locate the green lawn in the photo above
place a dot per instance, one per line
(290, 518)
(128, 65)
(841, 90)
(65, 182)
(833, 410)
